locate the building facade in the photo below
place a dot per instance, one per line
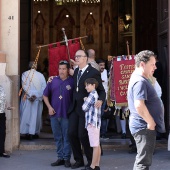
(25, 24)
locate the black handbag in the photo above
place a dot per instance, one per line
(108, 113)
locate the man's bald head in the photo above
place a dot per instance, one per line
(91, 54)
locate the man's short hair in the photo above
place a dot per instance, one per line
(85, 52)
(33, 65)
(64, 62)
(143, 56)
(98, 61)
(92, 81)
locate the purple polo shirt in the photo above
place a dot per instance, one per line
(59, 88)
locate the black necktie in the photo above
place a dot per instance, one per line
(79, 75)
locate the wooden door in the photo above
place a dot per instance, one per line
(151, 33)
(163, 54)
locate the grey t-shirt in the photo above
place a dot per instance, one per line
(140, 88)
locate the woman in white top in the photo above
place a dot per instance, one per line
(3, 122)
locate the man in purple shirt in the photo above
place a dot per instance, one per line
(57, 96)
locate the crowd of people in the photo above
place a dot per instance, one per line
(77, 105)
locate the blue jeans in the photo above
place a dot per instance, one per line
(60, 133)
(103, 128)
(145, 142)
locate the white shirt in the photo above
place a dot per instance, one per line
(83, 70)
(158, 89)
(2, 100)
(104, 80)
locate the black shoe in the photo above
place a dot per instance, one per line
(77, 164)
(131, 145)
(29, 137)
(88, 164)
(104, 137)
(123, 136)
(97, 167)
(158, 138)
(67, 163)
(133, 150)
(4, 155)
(58, 162)
(36, 136)
(89, 168)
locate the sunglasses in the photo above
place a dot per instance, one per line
(63, 62)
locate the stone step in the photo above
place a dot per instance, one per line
(48, 143)
(42, 144)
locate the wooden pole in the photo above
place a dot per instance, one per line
(60, 42)
(127, 43)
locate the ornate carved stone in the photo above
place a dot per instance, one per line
(64, 22)
(107, 26)
(89, 24)
(39, 22)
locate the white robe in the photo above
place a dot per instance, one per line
(31, 112)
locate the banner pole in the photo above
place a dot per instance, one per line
(60, 42)
(127, 43)
(66, 40)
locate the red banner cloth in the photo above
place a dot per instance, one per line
(59, 52)
(122, 72)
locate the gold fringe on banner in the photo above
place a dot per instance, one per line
(127, 113)
(115, 112)
(121, 104)
(124, 115)
(118, 113)
(81, 43)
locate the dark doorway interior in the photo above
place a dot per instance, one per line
(163, 57)
(25, 34)
(152, 34)
(146, 25)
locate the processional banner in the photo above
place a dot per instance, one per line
(59, 52)
(122, 71)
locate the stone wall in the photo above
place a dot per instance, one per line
(7, 85)
(9, 46)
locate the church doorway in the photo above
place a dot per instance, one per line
(41, 23)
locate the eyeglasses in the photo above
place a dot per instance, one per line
(78, 56)
(63, 62)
